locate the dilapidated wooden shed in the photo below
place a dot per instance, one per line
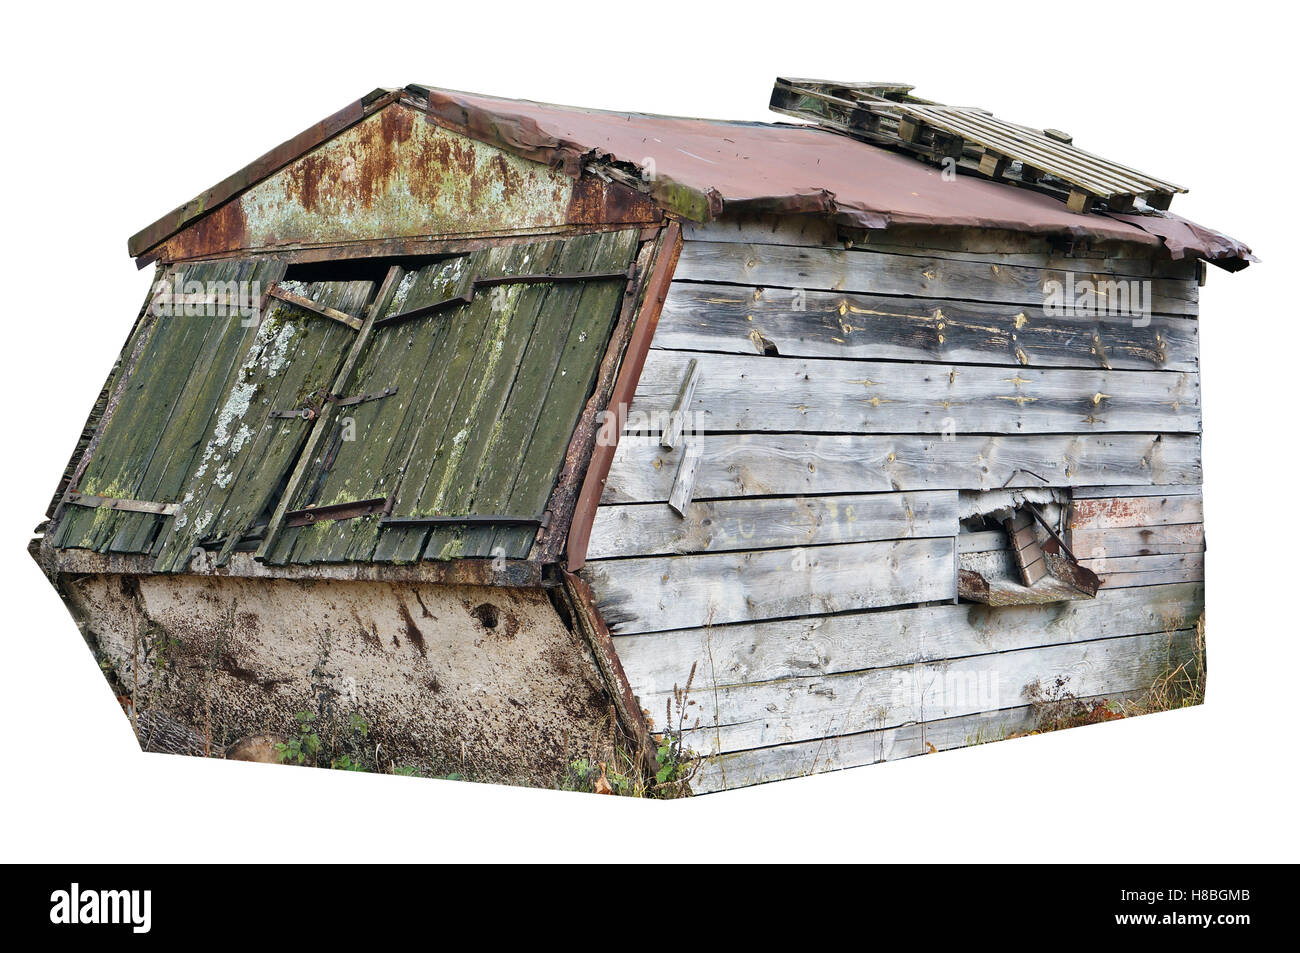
(461, 435)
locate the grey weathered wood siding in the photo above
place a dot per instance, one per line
(842, 397)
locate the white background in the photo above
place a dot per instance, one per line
(114, 117)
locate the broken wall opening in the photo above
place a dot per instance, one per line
(1010, 550)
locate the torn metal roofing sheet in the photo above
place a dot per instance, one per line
(769, 167)
(703, 169)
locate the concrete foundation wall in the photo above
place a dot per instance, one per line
(486, 683)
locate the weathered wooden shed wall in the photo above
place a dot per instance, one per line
(844, 397)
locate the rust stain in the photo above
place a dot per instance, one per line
(221, 230)
(598, 202)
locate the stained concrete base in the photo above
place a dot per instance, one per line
(488, 683)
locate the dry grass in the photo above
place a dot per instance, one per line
(1180, 687)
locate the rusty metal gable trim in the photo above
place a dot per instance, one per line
(259, 169)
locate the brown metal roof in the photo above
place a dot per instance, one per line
(706, 168)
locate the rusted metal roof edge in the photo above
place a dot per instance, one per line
(259, 169)
(522, 136)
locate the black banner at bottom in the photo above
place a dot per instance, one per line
(232, 902)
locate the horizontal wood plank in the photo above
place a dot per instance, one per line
(1138, 541)
(1106, 492)
(743, 768)
(1124, 571)
(646, 594)
(961, 244)
(739, 319)
(868, 272)
(793, 395)
(740, 717)
(828, 645)
(724, 525)
(791, 464)
(1117, 512)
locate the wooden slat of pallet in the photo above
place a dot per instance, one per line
(723, 525)
(1138, 541)
(792, 464)
(868, 272)
(1134, 511)
(645, 594)
(740, 319)
(741, 717)
(831, 644)
(754, 393)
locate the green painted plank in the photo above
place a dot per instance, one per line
(540, 463)
(481, 405)
(436, 446)
(524, 399)
(413, 367)
(247, 453)
(137, 452)
(175, 456)
(400, 356)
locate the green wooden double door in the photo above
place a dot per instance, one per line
(296, 434)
